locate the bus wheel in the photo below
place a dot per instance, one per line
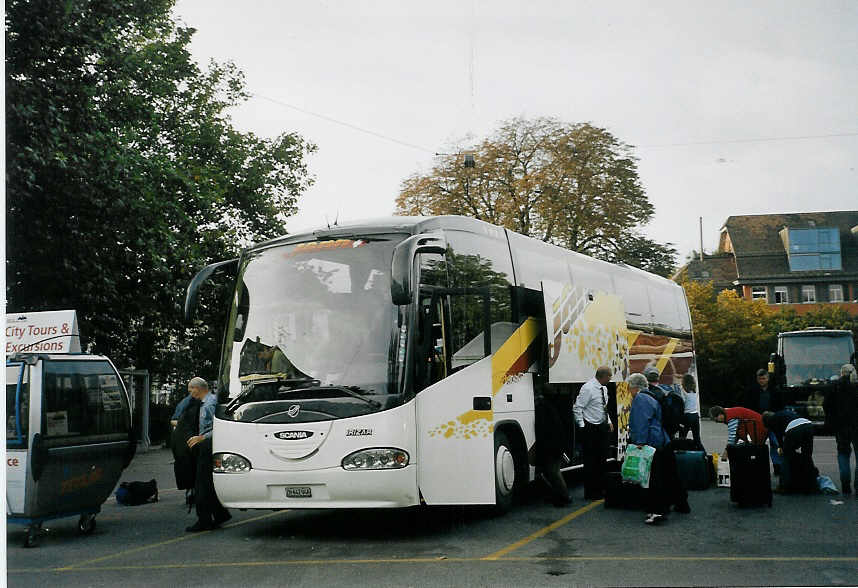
(505, 468)
(86, 524)
(34, 532)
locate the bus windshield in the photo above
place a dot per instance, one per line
(314, 320)
(814, 358)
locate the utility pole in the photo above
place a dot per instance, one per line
(701, 238)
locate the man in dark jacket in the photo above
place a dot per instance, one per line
(210, 512)
(841, 416)
(765, 395)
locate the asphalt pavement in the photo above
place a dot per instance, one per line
(801, 540)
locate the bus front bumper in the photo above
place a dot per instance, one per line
(326, 488)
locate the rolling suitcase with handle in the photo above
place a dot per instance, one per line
(750, 481)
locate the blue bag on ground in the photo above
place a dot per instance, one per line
(637, 464)
(826, 485)
(134, 493)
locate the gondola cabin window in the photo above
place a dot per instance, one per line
(83, 402)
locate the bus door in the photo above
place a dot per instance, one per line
(453, 377)
(17, 434)
(84, 435)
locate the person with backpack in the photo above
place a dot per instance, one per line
(646, 428)
(210, 512)
(671, 401)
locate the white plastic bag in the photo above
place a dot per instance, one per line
(723, 473)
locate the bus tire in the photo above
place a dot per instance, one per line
(86, 524)
(33, 535)
(506, 467)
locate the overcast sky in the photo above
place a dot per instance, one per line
(732, 107)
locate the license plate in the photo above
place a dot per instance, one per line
(299, 492)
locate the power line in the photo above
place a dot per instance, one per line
(756, 140)
(653, 146)
(345, 124)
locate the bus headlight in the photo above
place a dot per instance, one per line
(229, 463)
(384, 458)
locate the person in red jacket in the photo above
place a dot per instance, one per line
(742, 423)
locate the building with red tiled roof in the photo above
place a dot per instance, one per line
(799, 259)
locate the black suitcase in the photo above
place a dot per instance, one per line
(693, 469)
(750, 481)
(619, 494)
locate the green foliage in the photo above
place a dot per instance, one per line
(125, 176)
(734, 337)
(574, 185)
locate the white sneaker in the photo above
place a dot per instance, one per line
(653, 518)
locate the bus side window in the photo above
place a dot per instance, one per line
(478, 261)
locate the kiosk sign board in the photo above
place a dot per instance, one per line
(53, 331)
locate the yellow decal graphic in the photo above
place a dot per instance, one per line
(624, 402)
(472, 424)
(601, 335)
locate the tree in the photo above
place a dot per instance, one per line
(733, 337)
(731, 341)
(574, 185)
(125, 175)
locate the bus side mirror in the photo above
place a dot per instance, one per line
(401, 268)
(199, 279)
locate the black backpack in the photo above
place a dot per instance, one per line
(134, 493)
(672, 410)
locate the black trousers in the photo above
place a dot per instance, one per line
(549, 466)
(665, 488)
(595, 447)
(799, 472)
(207, 503)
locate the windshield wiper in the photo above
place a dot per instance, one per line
(268, 379)
(354, 392)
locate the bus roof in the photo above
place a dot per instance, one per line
(419, 224)
(816, 331)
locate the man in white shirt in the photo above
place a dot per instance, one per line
(594, 425)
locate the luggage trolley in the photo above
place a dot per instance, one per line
(68, 438)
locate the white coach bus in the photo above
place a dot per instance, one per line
(392, 363)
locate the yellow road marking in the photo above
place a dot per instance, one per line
(544, 531)
(442, 559)
(162, 543)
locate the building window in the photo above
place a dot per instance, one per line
(835, 293)
(781, 295)
(758, 293)
(808, 294)
(813, 249)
